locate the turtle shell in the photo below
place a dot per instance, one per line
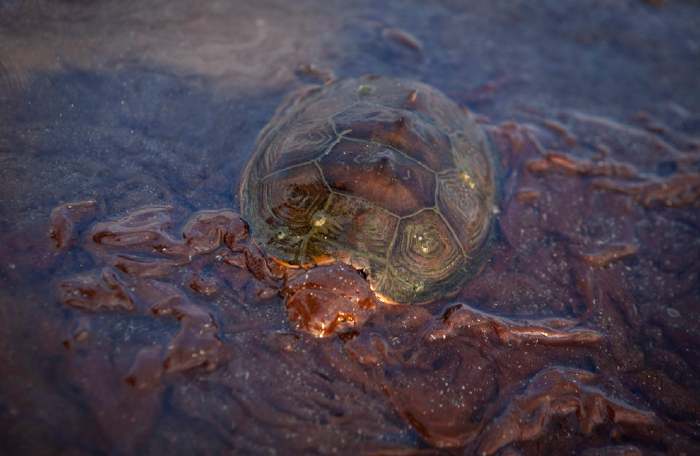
(387, 175)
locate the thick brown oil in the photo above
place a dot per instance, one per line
(138, 317)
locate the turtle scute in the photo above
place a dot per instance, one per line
(386, 175)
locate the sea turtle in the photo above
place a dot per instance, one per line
(387, 175)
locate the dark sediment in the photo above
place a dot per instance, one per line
(144, 321)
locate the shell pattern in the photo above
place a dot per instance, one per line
(384, 174)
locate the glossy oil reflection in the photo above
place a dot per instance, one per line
(170, 331)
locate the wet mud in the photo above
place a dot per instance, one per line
(138, 316)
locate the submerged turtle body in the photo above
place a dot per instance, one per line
(386, 175)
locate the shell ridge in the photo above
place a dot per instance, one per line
(394, 149)
(286, 169)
